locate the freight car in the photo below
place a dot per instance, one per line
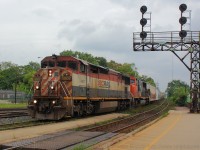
(68, 86)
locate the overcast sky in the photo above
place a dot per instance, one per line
(37, 28)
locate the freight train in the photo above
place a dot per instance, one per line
(68, 86)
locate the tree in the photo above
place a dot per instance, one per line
(6, 65)
(113, 65)
(126, 69)
(101, 61)
(84, 56)
(32, 66)
(178, 91)
(10, 76)
(28, 72)
(148, 80)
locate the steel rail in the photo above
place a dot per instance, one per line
(11, 113)
(129, 127)
(124, 120)
(124, 129)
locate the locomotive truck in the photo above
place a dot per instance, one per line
(68, 86)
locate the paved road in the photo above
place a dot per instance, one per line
(180, 130)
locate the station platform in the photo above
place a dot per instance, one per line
(180, 130)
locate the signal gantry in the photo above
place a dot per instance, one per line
(183, 40)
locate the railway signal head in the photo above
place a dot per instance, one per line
(182, 7)
(143, 9)
(143, 22)
(182, 33)
(182, 21)
(143, 34)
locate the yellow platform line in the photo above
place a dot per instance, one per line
(157, 138)
(138, 135)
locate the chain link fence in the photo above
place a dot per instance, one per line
(12, 96)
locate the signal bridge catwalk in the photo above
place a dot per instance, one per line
(171, 41)
(166, 41)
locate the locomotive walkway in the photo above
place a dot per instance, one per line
(178, 131)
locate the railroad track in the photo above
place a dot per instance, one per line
(88, 137)
(128, 124)
(11, 113)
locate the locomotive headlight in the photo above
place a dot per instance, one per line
(53, 102)
(37, 87)
(52, 87)
(35, 101)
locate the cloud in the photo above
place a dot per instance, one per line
(76, 30)
(125, 3)
(43, 12)
(103, 28)
(103, 35)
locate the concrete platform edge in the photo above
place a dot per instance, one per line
(120, 137)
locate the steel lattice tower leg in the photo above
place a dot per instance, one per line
(195, 77)
(199, 79)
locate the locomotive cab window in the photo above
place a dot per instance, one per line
(44, 64)
(72, 65)
(51, 64)
(62, 64)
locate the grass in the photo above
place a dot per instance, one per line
(165, 114)
(140, 109)
(11, 105)
(80, 147)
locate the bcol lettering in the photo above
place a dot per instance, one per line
(103, 83)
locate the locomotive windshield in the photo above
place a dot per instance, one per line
(62, 64)
(47, 64)
(44, 64)
(70, 64)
